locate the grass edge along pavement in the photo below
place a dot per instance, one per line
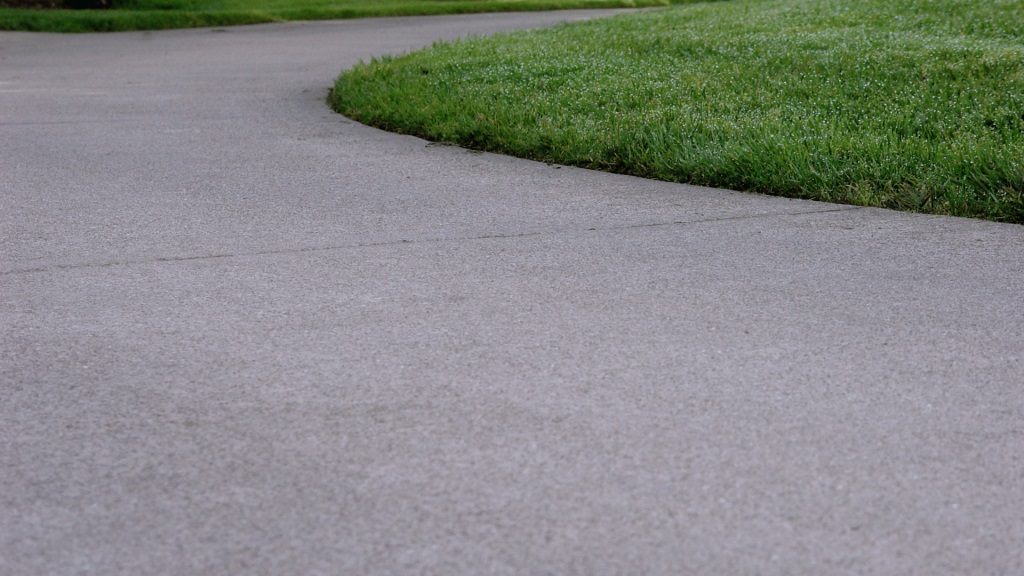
(916, 105)
(127, 15)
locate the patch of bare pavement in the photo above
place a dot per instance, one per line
(242, 334)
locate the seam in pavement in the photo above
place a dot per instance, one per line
(422, 241)
(105, 121)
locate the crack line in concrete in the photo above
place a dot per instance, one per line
(400, 242)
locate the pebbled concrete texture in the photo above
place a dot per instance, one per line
(240, 333)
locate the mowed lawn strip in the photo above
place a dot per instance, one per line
(909, 104)
(163, 14)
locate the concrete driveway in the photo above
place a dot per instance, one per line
(241, 334)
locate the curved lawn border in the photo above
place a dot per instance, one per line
(915, 105)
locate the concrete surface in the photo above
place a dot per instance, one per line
(242, 334)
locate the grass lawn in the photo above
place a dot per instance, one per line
(162, 14)
(909, 104)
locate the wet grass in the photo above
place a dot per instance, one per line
(915, 105)
(162, 14)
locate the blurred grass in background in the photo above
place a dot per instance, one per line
(123, 15)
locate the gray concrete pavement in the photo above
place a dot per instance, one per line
(242, 334)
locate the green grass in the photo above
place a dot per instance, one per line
(915, 105)
(163, 14)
